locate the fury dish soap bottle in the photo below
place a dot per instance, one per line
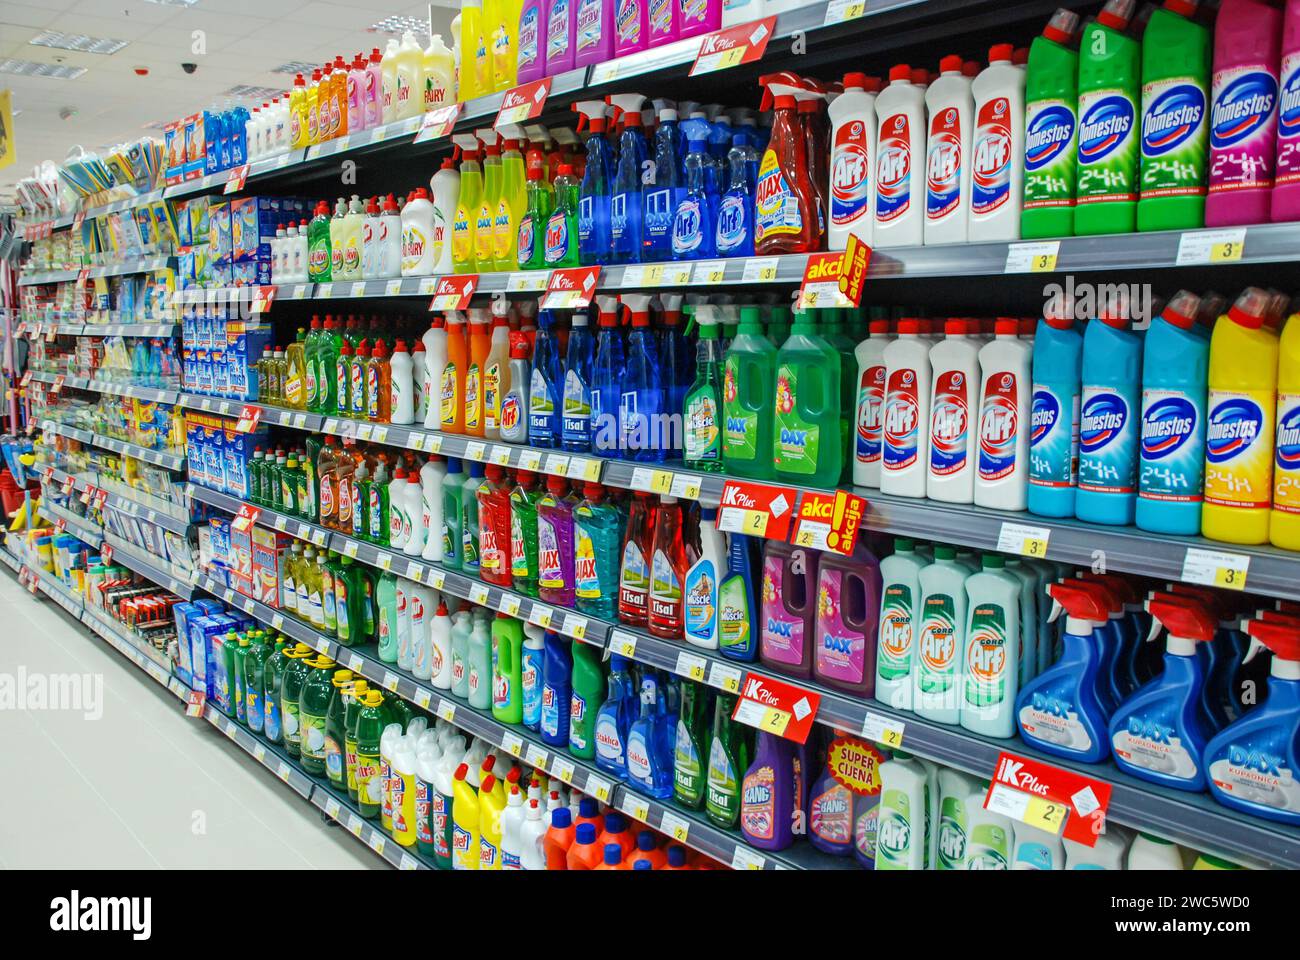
(1051, 129)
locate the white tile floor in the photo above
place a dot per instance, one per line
(143, 786)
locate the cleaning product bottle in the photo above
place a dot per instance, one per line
(453, 488)
(1243, 112)
(486, 213)
(452, 377)
(649, 763)
(523, 533)
(767, 794)
(667, 571)
(900, 174)
(369, 732)
(494, 528)
(1108, 434)
(662, 196)
(480, 344)
(417, 235)
(479, 665)
(1036, 849)
(1284, 201)
(903, 828)
(785, 216)
(642, 402)
(806, 434)
(953, 828)
(464, 243)
(469, 526)
(597, 538)
(905, 448)
(460, 633)
(446, 199)
(614, 719)
(852, 161)
(557, 671)
(1005, 376)
(530, 675)
(432, 476)
(694, 231)
(545, 396)
(955, 396)
(899, 624)
(705, 551)
(789, 608)
(990, 667)
(870, 404)
(625, 207)
(634, 570)
(511, 200)
(597, 179)
(319, 257)
(748, 399)
(593, 32)
(631, 26)
(1059, 711)
(949, 156)
(1110, 81)
(586, 688)
(561, 238)
(1054, 428)
(728, 757)
(939, 638)
(734, 236)
(555, 559)
(1240, 422)
(465, 821)
(575, 417)
(530, 61)
(702, 446)
(1284, 523)
(560, 23)
(997, 173)
(1051, 129)
(1175, 92)
(848, 601)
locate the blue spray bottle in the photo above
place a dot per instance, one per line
(557, 670)
(625, 196)
(1108, 421)
(1160, 733)
(641, 404)
(676, 358)
(1129, 626)
(608, 369)
(645, 762)
(1253, 764)
(575, 416)
(594, 193)
(545, 399)
(738, 601)
(1059, 711)
(661, 197)
(695, 222)
(1221, 659)
(1175, 382)
(1114, 637)
(735, 226)
(614, 720)
(1054, 433)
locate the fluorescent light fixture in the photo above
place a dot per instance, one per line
(76, 41)
(30, 68)
(296, 66)
(254, 93)
(397, 23)
(174, 3)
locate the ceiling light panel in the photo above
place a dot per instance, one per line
(254, 93)
(76, 41)
(30, 68)
(295, 66)
(396, 24)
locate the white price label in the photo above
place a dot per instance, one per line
(841, 11)
(414, 571)
(447, 710)
(423, 698)
(324, 291)
(686, 487)
(390, 681)
(332, 808)
(884, 730)
(575, 626)
(529, 460)
(743, 858)
(509, 605)
(710, 271)
(512, 743)
(350, 549)
(599, 787)
(408, 862)
(635, 807)
(1216, 568)
(563, 768)
(1211, 246)
(478, 593)
(725, 677)
(692, 666)
(677, 827)
(760, 269)
(500, 455)
(535, 756)
(384, 561)
(1023, 539)
(475, 449)
(1032, 257)
(541, 615)
(557, 464)
(642, 477)
(530, 282)
(437, 578)
(624, 644)
(393, 287)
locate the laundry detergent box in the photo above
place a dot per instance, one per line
(197, 210)
(174, 152)
(196, 149)
(270, 548)
(251, 273)
(253, 224)
(206, 635)
(220, 231)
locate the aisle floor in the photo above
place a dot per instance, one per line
(142, 785)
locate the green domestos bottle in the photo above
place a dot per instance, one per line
(688, 754)
(1051, 129)
(728, 761)
(806, 440)
(748, 404)
(295, 675)
(313, 705)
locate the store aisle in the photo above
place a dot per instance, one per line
(140, 786)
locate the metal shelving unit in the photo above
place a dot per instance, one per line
(171, 461)
(160, 513)
(137, 265)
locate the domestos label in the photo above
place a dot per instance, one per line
(1286, 480)
(871, 403)
(850, 174)
(1107, 146)
(999, 423)
(1053, 441)
(1173, 138)
(1149, 741)
(1238, 451)
(1172, 446)
(986, 656)
(943, 165)
(1243, 129)
(1105, 437)
(902, 413)
(949, 424)
(1052, 715)
(1049, 154)
(895, 647)
(894, 169)
(1288, 122)
(991, 167)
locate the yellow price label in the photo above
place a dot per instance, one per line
(731, 57)
(804, 537)
(598, 788)
(1230, 577)
(767, 273)
(501, 456)
(350, 549)
(509, 605)
(1043, 263)
(1227, 252)
(661, 481)
(891, 737)
(1045, 814)
(754, 522)
(775, 721)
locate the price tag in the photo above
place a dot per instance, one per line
(557, 464)
(743, 43)
(68, 483)
(725, 677)
(599, 787)
(437, 578)
(570, 289)
(478, 593)
(1023, 539)
(1035, 811)
(562, 767)
(359, 288)
(535, 756)
(259, 753)
(636, 807)
(246, 517)
(1215, 568)
(377, 842)
(364, 430)
(428, 285)
(332, 808)
(841, 11)
(324, 291)
(509, 605)
(500, 455)
(624, 644)
(355, 663)
(282, 771)
(523, 103)
(752, 522)
(384, 561)
(249, 417)
(884, 730)
(685, 486)
(582, 469)
(236, 182)
(390, 681)
(1049, 798)
(446, 710)
(710, 271)
(454, 292)
(438, 123)
(1211, 246)
(532, 281)
(300, 291)
(408, 862)
(541, 615)
(760, 269)
(776, 706)
(423, 698)
(414, 571)
(433, 442)
(742, 857)
(475, 450)
(530, 460)
(57, 387)
(821, 283)
(766, 718)
(512, 743)
(1032, 257)
(194, 703)
(277, 621)
(350, 548)
(575, 626)
(675, 826)
(393, 287)
(691, 666)
(755, 509)
(355, 825)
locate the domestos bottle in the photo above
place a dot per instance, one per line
(1108, 433)
(954, 400)
(870, 354)
(852, 165)
(1243, 112)
(948, 154)
(1054, 416)
(1003, 467)
(900, 172)
(1286, 189)
(905, 449)
(997, 171)
(1284, 525)
(1051, 129)
(900, 616)
(989, 665)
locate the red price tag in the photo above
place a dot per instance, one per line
(87, 494)
(438, 123)
(82, 276)
(263, 299)
(48, 473)
(32, 585)
(853, 271)
(236, 182)
(523, 103)
(246, 517)
(106, 551)
(821, 283)
(1048, 797)
(68, 483)
(27, 378)
(570, 289)
(57, 386)
(755, 509)
(249, 417)
(101, 498)
(60, 524)
(454, 293)
(776, 706)
(829, 521)
(743, 43)
(194, 703)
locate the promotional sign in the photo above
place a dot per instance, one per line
(829, 521)
(1048, 797)
(454, 293)
(438, 123)
(523, 103)
(776, 706)
(743, 43)
(821, 283)
(755, 509)
(570, 289)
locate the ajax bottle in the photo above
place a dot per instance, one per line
(806, 433)
(1284, 524)
(785, 216)
(948, 156)
(597, 538)
(1051, 129)
(852, 161)
(997, 173)
(1000, 480)
(555, 559)
(789, 608)
(900, 173)
(848, 601)
(990, 667)
(955, 363)
(1054, 423)
(523, 532)
(900, 621)
(905, 448)
(1108, 432)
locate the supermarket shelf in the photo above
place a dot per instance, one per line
(129, 330)
(46, 276)
(157, 513)
(267, 754)
(153, 394)
(89, 531)
(278, 416)
(340, 808)
(135, 265)
(171, 461)
(175, 579)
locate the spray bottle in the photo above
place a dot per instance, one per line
(463, 243)
(597, 179)
(625, 195)
(786, 219)
(694, 230)
(664, 194)
(641, 402)
(608, 370)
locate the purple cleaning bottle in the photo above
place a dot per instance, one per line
(788, 608)
(532, 41)
(848, 601)
(664, 24)
(594, 33)
(767, 794)
(559, 36)
(555, 562)
(698, 16)
(830, 807)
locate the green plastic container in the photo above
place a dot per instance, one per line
(807, 445)
(1051, 130)
(748, 400)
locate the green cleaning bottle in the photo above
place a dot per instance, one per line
(310, 505)
(272, 717)
(349, 600)
(1051, 129)
(834, 334)
(295, 675)
(560, 244)
(1110, 88)
(689, 753)
(1175, 108)
(313, 705)
(259, 652)
(351, 712)
(748, 400)
(386, 600)
(728, 761)
(587, 692)
(318, 245)
(238, 658)
(806, 441)
(336, 731)
(370, 727)
(702, 441)
(523, 532)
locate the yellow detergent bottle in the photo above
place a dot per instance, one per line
(491, 802)
(1284, 524)
(403, 795)
(471, 188)
(475, 67)
(464, 820)
(298, 113)
(1239, 423)
(512, 199)
(485, 218)
(505, 28)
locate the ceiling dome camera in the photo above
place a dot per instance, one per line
(189, 67)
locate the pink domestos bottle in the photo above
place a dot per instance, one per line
(848, 601)
(1243, 119)
(1286, 189)
(789, 608)
(631, 26)
(698, 16)
(594, 32)
(559, 36)
(372, 96)
(665, 22)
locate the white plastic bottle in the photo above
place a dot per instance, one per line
(900, 618)
(870, 355)
(352, 240)
(512, 822)
(900, 162)
(990, 837)
(954, 398)
(901, 834)
(419, 609)
(417, 235)
(1149, 852)
(531, 832)
(952, 831)
(852, 194)
(389, 263)
(1037, 849)
(419, 370)
(413, 511)
(990, 672)
(300, 262)
(338, 223)
(1006, 394)
(388, 82)
(435, 361)
(905, 441)
(948, 154)
(399, 526)
(997, 160)
(432, 474)
(940, 638)
(700, 588)
(278, 249)
(402, 380)
(1107, 854)
(370, 241)
(445, 185)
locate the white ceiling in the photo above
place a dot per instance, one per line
(245, 40)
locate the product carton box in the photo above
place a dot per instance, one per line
(270, 550)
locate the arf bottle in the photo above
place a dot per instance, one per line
(1286, 189)
(1051, 129)
(1054, 415)
(990, 666)
(905, 450)
(939, 637)
(1004, 415)
(853, 161)
(997, 174)
(1108, 421)
(948, 155)
(900, 173)
(870, 406)
(899, 623)
(955, 399)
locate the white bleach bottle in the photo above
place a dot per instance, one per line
(991, 673)
(951, 110)
(1006, 396)
(900, 162)
(432, 475)
(940, 637)
(435, 360)
(990, 837)
(997, 158)
(870, 355)
(852, 194)
(952, 830)
(905, 788)
(905, 439)
(1107, 854)
(900, 607)
(954, 400)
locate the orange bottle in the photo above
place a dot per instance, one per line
(451, 384)
(326, 103)
(676, 859)
(611, 858)
(584, 854)
(616, 832)
(647, 848)
(558, 839)
(480, 345)
(379, 385)
(345, 487)
(340, 97)
(786, 218)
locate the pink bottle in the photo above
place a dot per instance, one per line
(631, 26)
(559, 36)
(372, 94)
(1286, 191)
(357, 76)
(594, 33)
(789, 608)
(698, 16)
(532, 41)
(848, 601)
(665, 21)
(1243, 120)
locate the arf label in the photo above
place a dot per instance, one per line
(999, 426)
(991, 166)
(871, 403)
(894, 169)
(943, 165)
(949, 424)
(850, 174)
(902, 416)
